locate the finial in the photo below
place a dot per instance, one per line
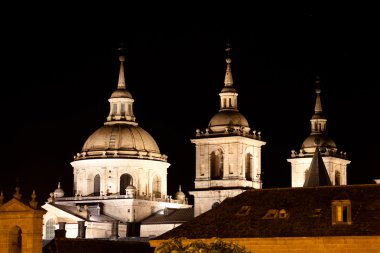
(1, 198)
(33, 203)
(59, 185)
(228, 49)
(317, 84)
(121, 82)
(179, 188)
(121, 49)
(17, 194)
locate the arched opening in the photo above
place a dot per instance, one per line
(337, 178)
(97, 185)
(248, 166)
(216, 162)
(50, 229)
(15, 240)
(157, 186)
(125, 180)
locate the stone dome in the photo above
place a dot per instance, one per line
(58, 193)
(180, 195)
(121, 93)
(118, 140)
(227, 119)
(311, 141)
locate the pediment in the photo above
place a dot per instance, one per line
(15, 205)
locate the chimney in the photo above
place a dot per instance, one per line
(115, 229)
(60, 233)
(81, 229)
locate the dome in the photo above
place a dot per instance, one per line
(58, 193)
(227, 118)
(180, 195)
(121, 93)
(120, 139)
(325, 141)
(227, 89)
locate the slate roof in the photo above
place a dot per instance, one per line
(308, 209)
(170, 215)
(318, 175)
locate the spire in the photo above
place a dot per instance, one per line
(228, 82)
(121, 101)
(318, 104)
(318, 120)
(228, 95)
(317, 175)
(121, 82)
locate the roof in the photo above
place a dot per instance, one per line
(318, 175)
(93, 216)
(308, 211)
(96, 246)
(170, 215)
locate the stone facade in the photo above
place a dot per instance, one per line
(20, 227)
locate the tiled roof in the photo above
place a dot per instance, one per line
(170, 215)
(307, 213)
(96, 246)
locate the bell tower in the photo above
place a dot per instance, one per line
(228, 152)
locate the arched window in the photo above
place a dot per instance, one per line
(15, 240)
(50, 229)
(337, 178)
(157, 186)
(97, 185)
(216, 162)
(125, 180)
(248, 166)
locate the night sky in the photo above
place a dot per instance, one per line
(60, 68)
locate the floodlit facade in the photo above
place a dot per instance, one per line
(335, 160)
(228, 152)
(120, 178)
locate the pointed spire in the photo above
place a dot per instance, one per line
(121, 82)
(121, 101)
(318, 104)
(317, 175)
(228, 82)
(318, 120)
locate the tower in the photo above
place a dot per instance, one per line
(120, 153)
(228, 153)
(335, 162)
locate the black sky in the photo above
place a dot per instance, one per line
(60, 68)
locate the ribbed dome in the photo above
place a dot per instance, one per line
(121, 137)
(324, 141)
(227, 118)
